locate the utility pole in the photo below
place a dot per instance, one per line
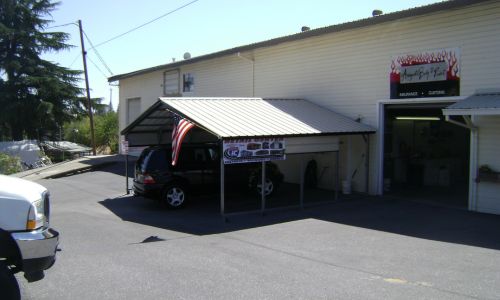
(89, 104)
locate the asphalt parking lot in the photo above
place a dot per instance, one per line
(120, 247)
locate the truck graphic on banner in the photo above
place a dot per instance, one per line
(253, 150)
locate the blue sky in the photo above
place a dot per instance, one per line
(203, 27)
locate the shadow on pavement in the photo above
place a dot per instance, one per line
(114, 164)
(118, 166)
(202, 217)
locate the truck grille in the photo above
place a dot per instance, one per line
(46, 208)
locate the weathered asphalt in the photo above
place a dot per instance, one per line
(120, 247)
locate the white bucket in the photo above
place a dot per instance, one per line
(346, 187)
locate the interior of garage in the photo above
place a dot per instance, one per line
(425, 157)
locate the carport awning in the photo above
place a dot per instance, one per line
(485, 102)
(247, 117)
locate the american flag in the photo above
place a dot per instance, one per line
(179, 131)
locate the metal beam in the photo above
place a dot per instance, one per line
(302, 175)
(468, 123)
(262, 189)
(222, 200)
(367, 164)
(337, 179)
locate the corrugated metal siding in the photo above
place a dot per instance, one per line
(488, 199)
(225, 77)
(348, 71)
(249, 117)
(147, 87)
(478, 101)
(133, 109)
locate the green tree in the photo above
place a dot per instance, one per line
(79, 107)
(35, 94)
(9, 164)
(105, 129)
(78, 131)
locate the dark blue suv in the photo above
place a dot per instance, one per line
(198, 169)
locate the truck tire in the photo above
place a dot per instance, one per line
(8, 283)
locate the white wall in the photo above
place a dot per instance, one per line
(147, 87)
(347, 71)
(488, 193)
(225, 77)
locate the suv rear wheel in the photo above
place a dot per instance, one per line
(174, 195)
(269, 186)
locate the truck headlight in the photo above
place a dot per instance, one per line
(38, 215)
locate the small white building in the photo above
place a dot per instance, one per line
(395, 72)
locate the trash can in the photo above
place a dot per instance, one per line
(346, 187)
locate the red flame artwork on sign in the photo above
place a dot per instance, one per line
(434, 73)
(450, 56)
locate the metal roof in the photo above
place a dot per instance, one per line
(248, 117)
(413, 12)
(483, 102)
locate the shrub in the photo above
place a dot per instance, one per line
(9, 164)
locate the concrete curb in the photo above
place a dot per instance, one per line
(83, 164)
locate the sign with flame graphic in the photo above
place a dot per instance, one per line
(434, 73)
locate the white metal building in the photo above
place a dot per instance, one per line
(362, 70)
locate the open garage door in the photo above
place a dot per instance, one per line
(425, 157)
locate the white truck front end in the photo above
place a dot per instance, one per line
(27, 243)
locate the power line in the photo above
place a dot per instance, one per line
(147, 23)
(97, 53)
(62, 25)
(74, 60)
(118, 36)
(95, 65)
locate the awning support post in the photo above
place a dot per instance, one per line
(367, 165)
(337, 173)
(222, 196)
(262, 189)
(126, 174)
(302, 182)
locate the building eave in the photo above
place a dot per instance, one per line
(390, 17)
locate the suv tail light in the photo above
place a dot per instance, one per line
(147, 179)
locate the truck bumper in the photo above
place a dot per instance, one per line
(38, 249)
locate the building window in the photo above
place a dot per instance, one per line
(171, 83)
(187, 83)
(133, 109)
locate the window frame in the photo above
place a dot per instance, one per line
(177, 92)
